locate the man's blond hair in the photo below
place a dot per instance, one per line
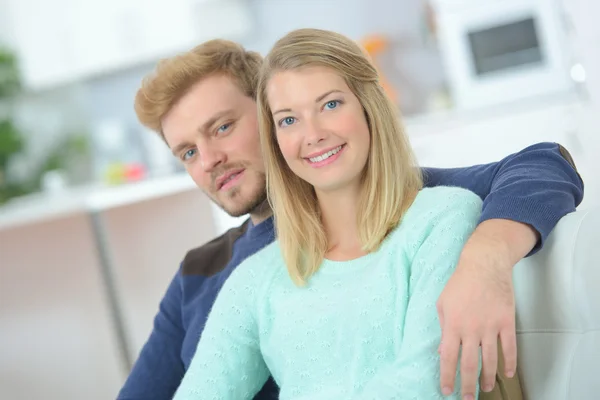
(173, 77)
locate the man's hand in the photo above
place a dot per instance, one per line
(476, 308)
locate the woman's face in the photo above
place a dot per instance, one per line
(321, 127)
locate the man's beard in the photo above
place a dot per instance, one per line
(257, 204)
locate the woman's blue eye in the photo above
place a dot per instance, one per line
(332, 104)
(188, 154)
(287, 121)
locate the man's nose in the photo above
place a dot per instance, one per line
(211, 157)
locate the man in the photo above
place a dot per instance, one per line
(202, 104)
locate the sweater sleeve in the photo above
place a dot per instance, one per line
(536, 186)
(228, 364)
(415, 374)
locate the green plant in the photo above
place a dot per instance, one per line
(12, 143)
(70, 147)
(9, 74)
(11, 140)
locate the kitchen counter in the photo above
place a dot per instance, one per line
(41, 207)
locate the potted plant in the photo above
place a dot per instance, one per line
(11, 142)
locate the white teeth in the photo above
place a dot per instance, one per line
(326, 155)
(228, 179)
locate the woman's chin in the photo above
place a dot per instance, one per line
(338, 185)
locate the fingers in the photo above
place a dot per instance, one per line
(449, 358)
(508, 338)
(440, 313)
(469, 368)
(489, 355)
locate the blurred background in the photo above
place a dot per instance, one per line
(95, 213)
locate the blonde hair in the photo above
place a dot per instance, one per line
(173, 77)
(390, 179)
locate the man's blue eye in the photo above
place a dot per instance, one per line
(223, 128)
(332, 104)
(287, 121)
(188, 154)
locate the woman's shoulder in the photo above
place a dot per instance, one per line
(448, 195)
(451, 209)
(262, 265)
(441, 199)
(433, 205)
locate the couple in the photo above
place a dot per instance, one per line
(343, 305)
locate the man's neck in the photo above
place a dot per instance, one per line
(261, 213)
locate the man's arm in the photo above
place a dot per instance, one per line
(159, 369)
(525, 195)
(536, 186)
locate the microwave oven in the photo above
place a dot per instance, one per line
(499, 51)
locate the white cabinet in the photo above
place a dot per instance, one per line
(41, 36)
(66, 40)
(58, 338)
(462, 139)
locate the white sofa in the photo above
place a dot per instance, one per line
(557, 295)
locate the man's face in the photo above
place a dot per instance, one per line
(213, 130)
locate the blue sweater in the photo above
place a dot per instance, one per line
(537, 186)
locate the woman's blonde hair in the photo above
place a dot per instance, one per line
(390, 179)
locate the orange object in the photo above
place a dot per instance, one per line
(374, 45)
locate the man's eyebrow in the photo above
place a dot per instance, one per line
(212, 120)
(175, 150)
(203, 128)
(318, 99)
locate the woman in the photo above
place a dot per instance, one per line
(342, 306)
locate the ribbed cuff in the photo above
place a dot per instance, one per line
(542, 217)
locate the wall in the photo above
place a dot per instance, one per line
(584, 18)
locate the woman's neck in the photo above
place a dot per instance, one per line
(338, 213)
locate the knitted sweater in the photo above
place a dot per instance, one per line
(361, 329)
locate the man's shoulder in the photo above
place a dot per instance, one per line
(212, 257)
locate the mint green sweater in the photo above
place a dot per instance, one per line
(361, 329)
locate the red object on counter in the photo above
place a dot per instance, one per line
(134, 172)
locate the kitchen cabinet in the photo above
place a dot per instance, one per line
(63, 41)
(459, 139)
(39, 34)
(77, 302)
(56, 335)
